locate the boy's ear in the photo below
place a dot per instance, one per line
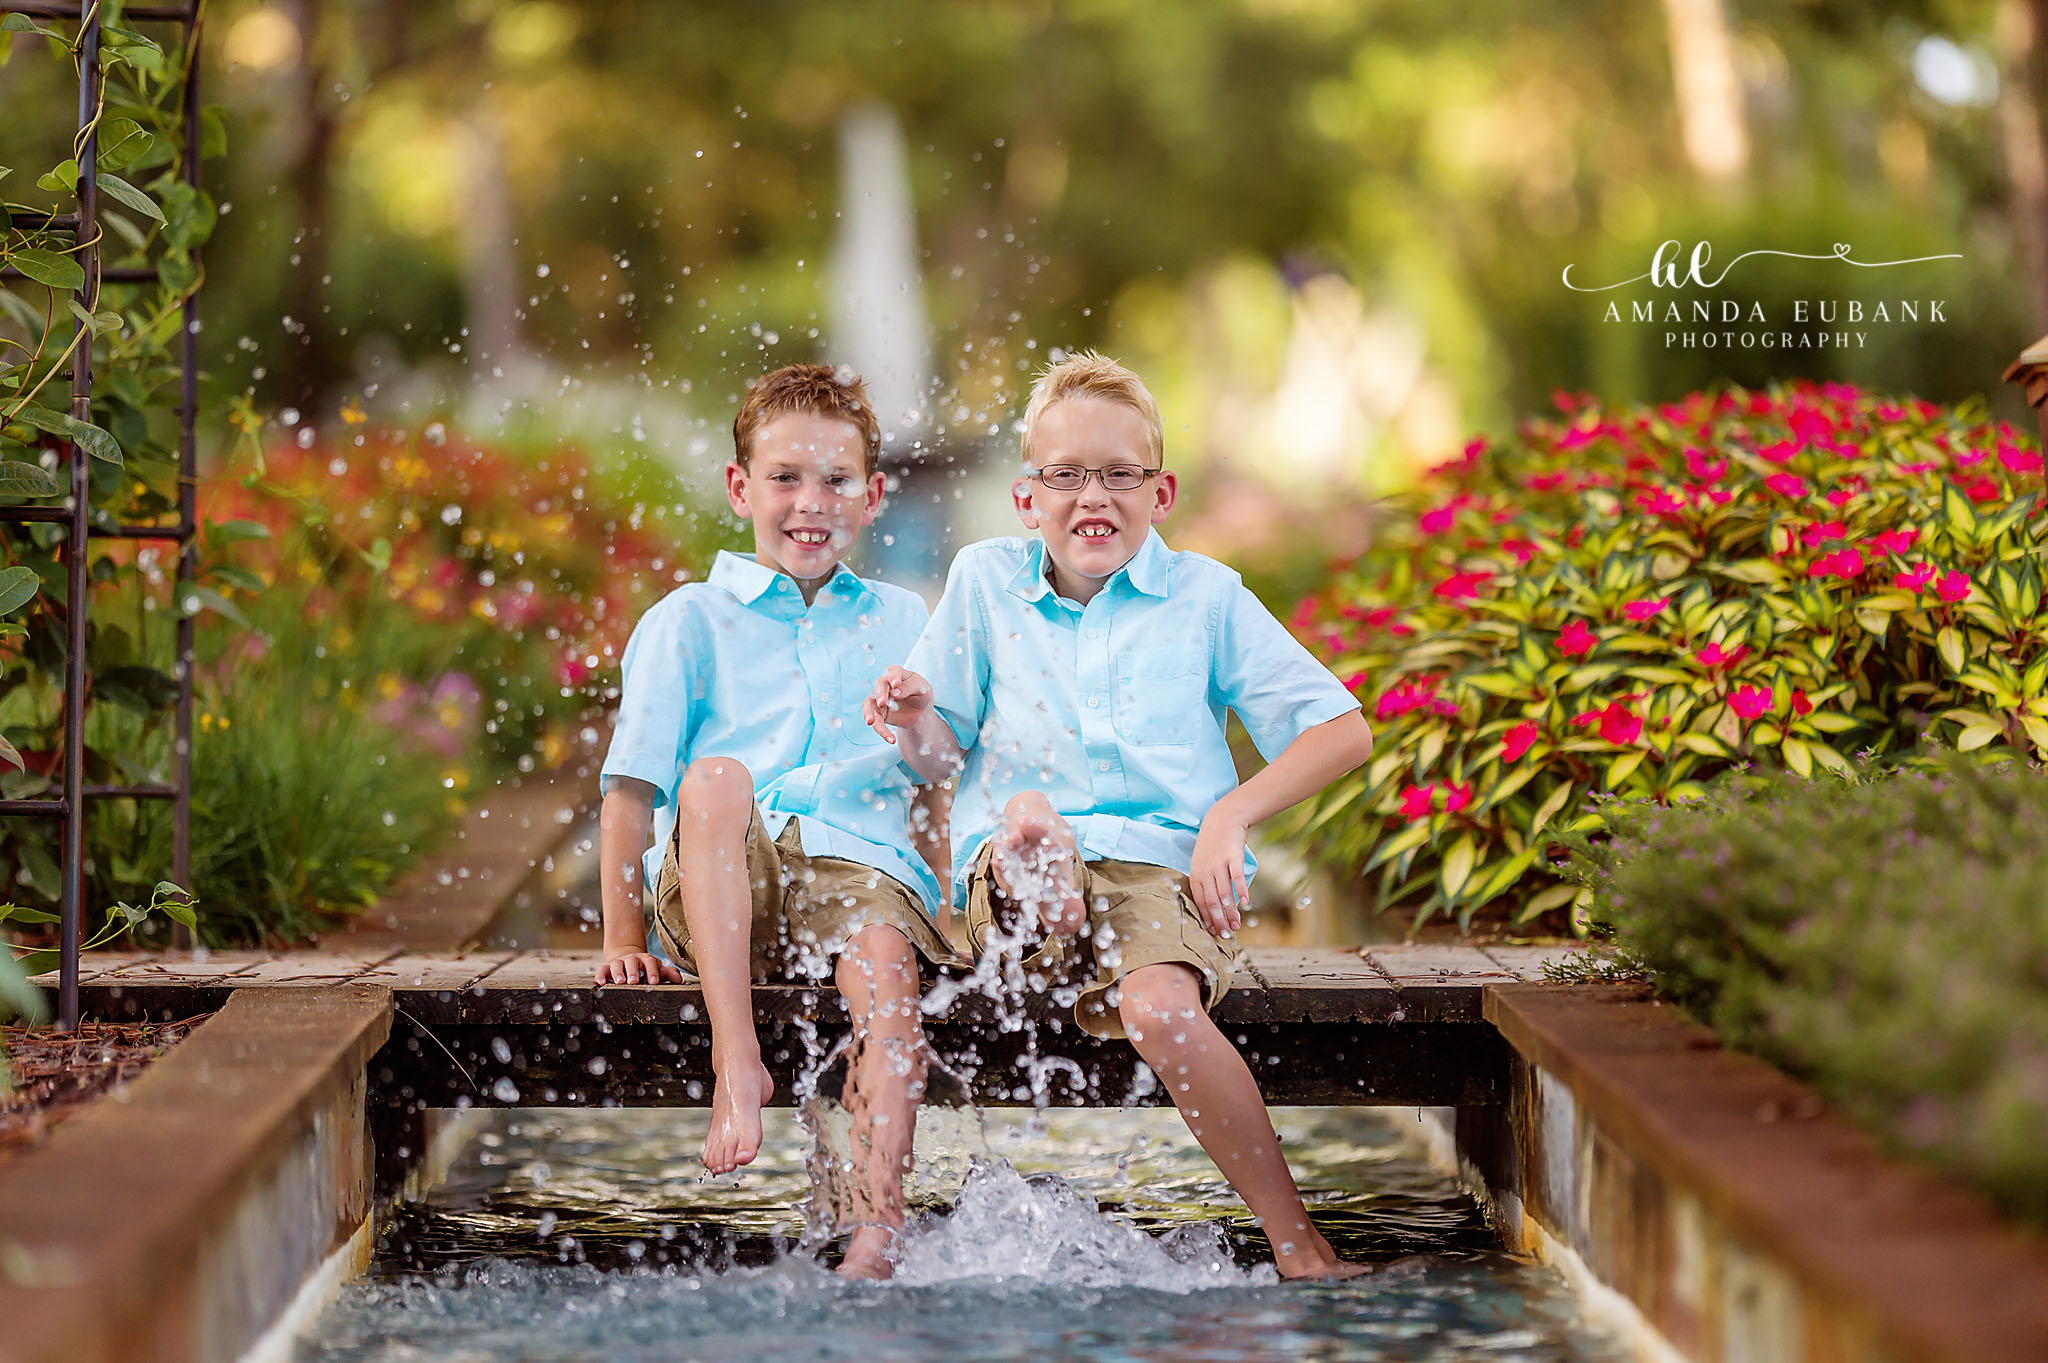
(736, 490)
(1020, 497)
(1165, 488)
(878, 484)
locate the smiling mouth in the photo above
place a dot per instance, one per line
(814, 538)
(1094, 530)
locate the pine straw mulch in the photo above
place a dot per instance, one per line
(53, 1074)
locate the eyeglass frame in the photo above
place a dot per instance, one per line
(1101, 475)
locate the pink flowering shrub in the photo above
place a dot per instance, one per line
(1631, 600)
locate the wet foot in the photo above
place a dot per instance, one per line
(736, 1102)
(867, 1254)
(1037, 867)
(1317, 1260)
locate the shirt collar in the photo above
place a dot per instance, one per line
(1146, 570)
(749, 579)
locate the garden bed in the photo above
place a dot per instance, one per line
(56, 1073)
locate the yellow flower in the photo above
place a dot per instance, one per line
(389, 687)
(554, 750)
(353, 413)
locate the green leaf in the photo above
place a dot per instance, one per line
(1407, 840)
(1546, 811)
(1957, 511)
(213, 133)
(1797, 756)
(1950, 645)
(122, 142)
(19, 479)
(1976, 736)
(11, 755)
(61, 178)
(49, 268)
(190, 216)
(1623, 767)
(22, 913)
(1457, 866)
(123, 192)
(232, 532)
(193, 598)
(1556, 897)
(18, 585)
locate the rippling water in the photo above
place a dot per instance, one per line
(1098, 1235)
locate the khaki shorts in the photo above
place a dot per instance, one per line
(805, 908)
(1138, 915)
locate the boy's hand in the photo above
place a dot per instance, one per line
(900, 697)
(1217, 876)
(637, 967)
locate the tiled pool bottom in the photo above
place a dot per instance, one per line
(1097, 1235)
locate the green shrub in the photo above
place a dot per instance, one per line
(1883, 937)
(1631, 601)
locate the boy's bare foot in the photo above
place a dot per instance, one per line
(867, 1254)
(1314, 1260)
(736, 1103)
(1037, 868)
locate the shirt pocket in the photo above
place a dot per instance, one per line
(1161, 701)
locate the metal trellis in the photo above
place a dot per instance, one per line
(76, 517)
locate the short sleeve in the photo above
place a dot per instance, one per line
(952, 654)
(657, 681)
(1277, 687)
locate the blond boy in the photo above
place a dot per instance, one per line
(1077, 681)
(781, 847)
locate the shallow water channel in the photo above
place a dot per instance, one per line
(1098, 1235)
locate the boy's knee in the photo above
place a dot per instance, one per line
(715, 785)
(1156, 995)
(1028, 804)
(881, 948)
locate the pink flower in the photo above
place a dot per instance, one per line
(1640, 611)
(1787, 485)
(1886, 412)
(1779, 453)
(1618, 724)
(1516, 742)
(1750, 701)
(1841, 497)
(1405, 695)
(1801, 706)
(1844, 563)
(1417, 801)
(1355, 682)
(1544, 482)
(1703, 468)
(1456, 797)
(1659, 503)
(2019, 460)
(1894, 541)
(1575, 640)
(1822, 531)
(1523, 550)
(1713, 655)
(1438, 519)
(1982, 489)
(1953, 586)
(1462, 586)
(1915, 579)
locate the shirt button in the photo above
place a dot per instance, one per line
(1094, 633)
(1094, 702)
(1103, 765)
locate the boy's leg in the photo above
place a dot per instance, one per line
(1162, 1012)
(714, 806)
(885, 1077)
(1036, 863)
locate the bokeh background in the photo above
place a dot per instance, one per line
(1329, 231)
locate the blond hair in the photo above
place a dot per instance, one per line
(1085, 374)
(835, 394)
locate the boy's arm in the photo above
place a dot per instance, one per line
(1316, 757)
(931, 808)
(622, 823)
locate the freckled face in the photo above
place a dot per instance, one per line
(805, 493)
(1092, 532)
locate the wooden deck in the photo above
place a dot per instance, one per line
(1400, 1025)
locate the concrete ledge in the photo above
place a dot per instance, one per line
(1720, 1198)
(176, 1221)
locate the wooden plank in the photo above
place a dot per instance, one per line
(436, 970)
(93, 964)
(309, 967)
(1526, 963)
(537, 986)
(1315, 984)
(1431, 964)
(187, 967)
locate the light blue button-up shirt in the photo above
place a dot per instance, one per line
(737, 666)
(1113, 710)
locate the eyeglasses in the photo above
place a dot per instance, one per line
(1074, 477)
